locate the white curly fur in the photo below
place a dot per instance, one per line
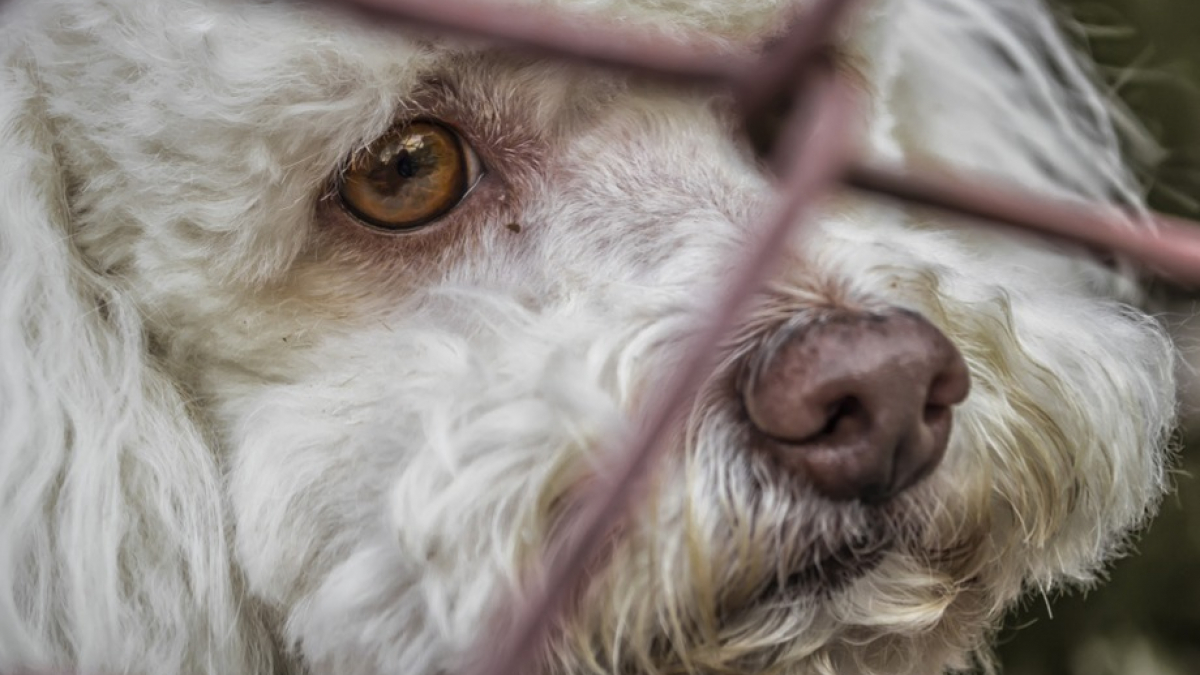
(241, 433)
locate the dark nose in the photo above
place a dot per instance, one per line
(858, 405)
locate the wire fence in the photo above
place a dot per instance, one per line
(812, 154)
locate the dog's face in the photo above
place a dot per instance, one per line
(413, 288)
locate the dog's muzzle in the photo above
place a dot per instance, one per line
(856, 405)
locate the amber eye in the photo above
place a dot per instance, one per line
(410, 177)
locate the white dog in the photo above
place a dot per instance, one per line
(312, 334)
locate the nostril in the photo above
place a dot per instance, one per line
(841, 414)
(859, 406)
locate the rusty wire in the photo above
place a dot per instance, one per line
(813, 156)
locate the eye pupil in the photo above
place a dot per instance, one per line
(406, 165)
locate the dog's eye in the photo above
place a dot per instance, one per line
(410, 177)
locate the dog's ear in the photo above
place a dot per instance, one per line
(107, 488)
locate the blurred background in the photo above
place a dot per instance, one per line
(1146, 619)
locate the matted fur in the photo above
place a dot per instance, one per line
(241, 433)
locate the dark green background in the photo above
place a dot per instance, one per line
(1146, 619)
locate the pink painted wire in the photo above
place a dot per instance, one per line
(1169, 247)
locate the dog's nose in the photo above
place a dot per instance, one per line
(858, 405)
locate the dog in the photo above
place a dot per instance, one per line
(315, 332)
